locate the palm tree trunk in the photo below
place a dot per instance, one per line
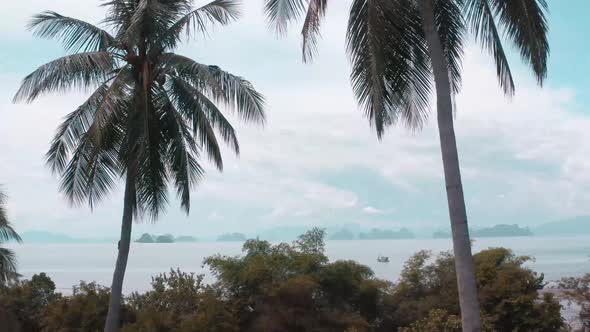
(464, 266)
(114, 314)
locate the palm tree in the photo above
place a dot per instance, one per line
(152, 115)
(7, 257)
(398, 48)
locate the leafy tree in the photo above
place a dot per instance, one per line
(85, 310)
(153, 113)
(23, 304)
(7, 233)
(508, 292)
(178, 301)
(293, 287)
(403, 50)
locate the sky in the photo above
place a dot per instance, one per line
(317, 161)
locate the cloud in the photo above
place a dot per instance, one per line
(372, 210)
(523, 160)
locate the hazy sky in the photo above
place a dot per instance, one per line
(317, 161)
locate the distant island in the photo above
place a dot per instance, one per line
(343, 234)
(379, 234)
(166, 238)
(501, 230)
(231, 237)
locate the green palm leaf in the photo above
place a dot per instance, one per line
(220, 12)
(82, 70)
(76, 35)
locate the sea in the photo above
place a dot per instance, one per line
(68, 264)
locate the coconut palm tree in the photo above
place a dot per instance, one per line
(399, 48)
(153, 114)
(7, 257)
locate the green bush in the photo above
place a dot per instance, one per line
(22, 305)
(85, 310)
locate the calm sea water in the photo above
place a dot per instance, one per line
(67, 264)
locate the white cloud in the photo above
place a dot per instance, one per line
(314, 127)
(372, 210)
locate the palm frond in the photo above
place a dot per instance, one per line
(183, 95)
(480, 18)
(72, 130)
(7, 266)
(114, 99)
(119, 13)
(391, 74)
(7, 233)
(280, 13)
(77, 70)
(152, 176)
(182, 151)
(316, 10)
(149, 19)
(236, 92)
(216, 12)
(76, 35)
(451, 29)
(365, 44)
(524, 22)
(90, 174)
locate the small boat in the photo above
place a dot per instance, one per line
(383, 259)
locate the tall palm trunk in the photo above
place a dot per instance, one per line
(461, 243)
(114, 314)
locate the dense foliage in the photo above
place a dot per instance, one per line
(294, 287)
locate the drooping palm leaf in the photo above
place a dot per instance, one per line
(480, 17)
(451, 29)
(316, 10)
(182, 150)
(7, 233)
(236, 92)
(76, 35)
(281, 12)
(7, 266)
(220, 12)
(84, 70)
(525, 24)
(391, 74)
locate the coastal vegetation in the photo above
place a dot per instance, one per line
(295, 287)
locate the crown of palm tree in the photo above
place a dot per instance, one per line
(391, 72)
(153, 113)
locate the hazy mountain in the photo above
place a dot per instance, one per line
(49, 237)
(572, 226)
(343, 234)
(185, 238)
(231, 237)
(500, 230)
(382, 234)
